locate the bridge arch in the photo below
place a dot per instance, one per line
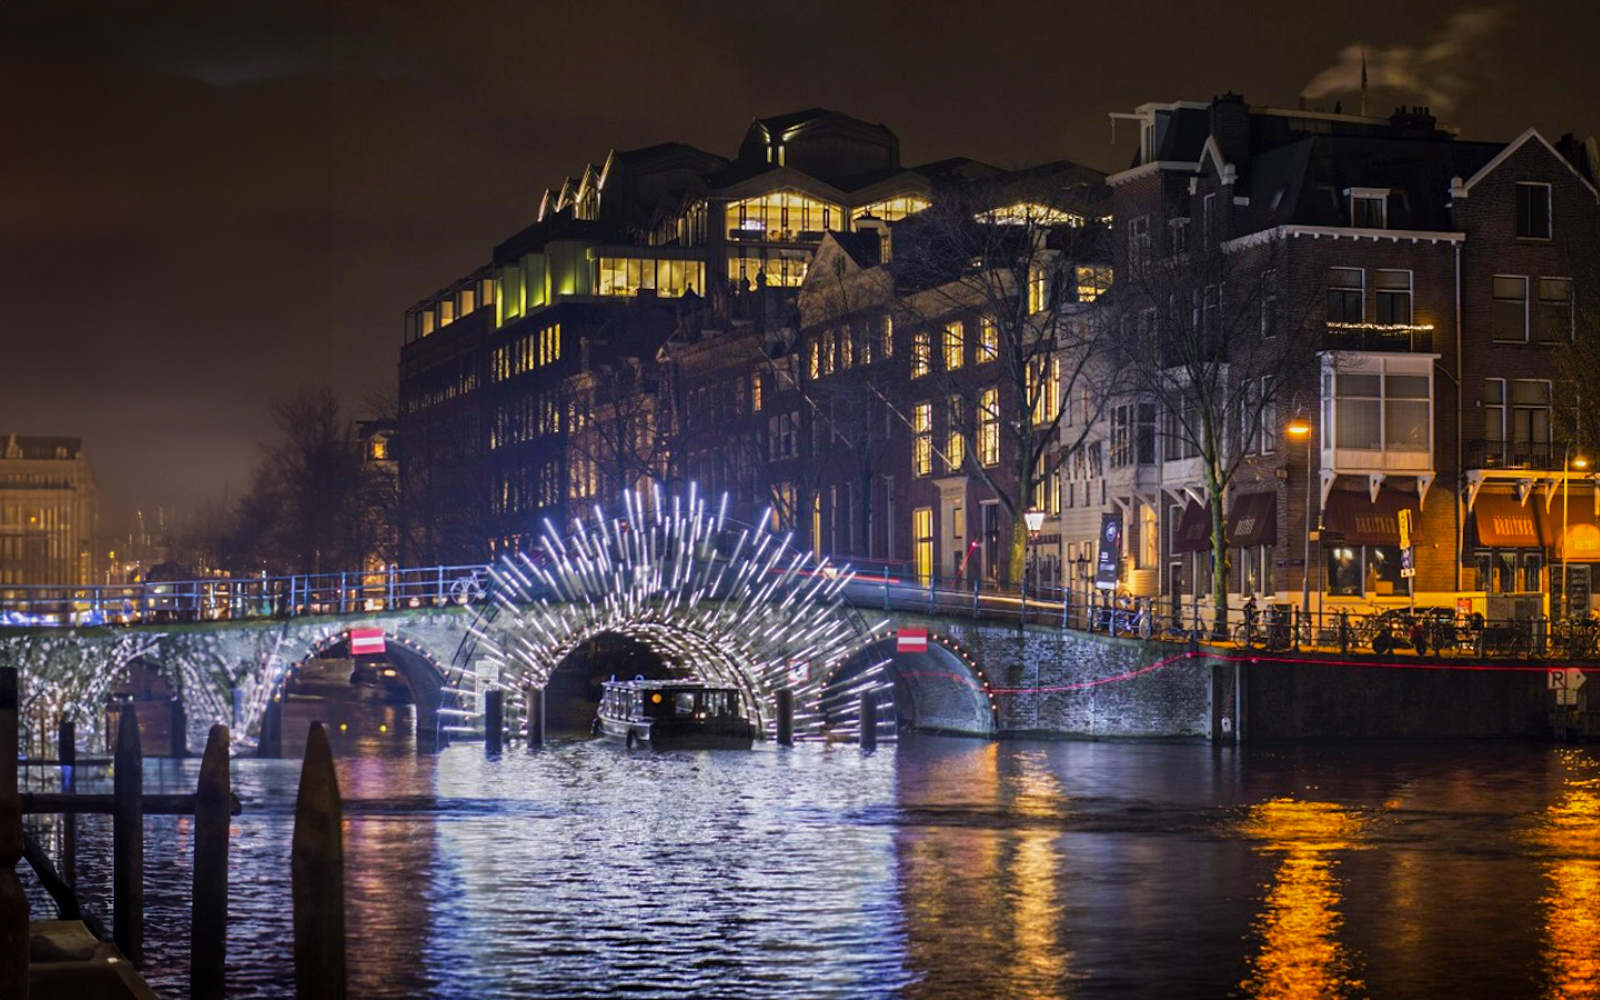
(731, 604)
(942, 689)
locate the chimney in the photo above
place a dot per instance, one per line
(1414, 122)
(1230, 126)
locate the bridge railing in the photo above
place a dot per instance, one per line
(237, 598)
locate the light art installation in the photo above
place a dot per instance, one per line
(728, 604)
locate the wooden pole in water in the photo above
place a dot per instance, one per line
(270, 743)
(869, 720)
(208, 914)
(13, 901)
(179, 722)
(494, 719)
(127, 838)
(533, 704)
(67, 753)
(316, 863)
(785, 717)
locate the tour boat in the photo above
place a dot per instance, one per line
(673, 715)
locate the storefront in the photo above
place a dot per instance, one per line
(1253, 532)
(1510, 543)
(1576, 543)
(1190, 570)
(1361, 543)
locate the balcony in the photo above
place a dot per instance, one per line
(1412, 337)
(1515, 454)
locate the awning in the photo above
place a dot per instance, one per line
(1194, 529)
(1353, 518)
(1582, 532)
(1253, 520)
(1502, 522)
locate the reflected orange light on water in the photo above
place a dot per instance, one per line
(1300, 953)
(1569, 830)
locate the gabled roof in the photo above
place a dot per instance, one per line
(1530, 135)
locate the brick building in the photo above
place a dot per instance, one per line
(49, 512)
(1435, 278)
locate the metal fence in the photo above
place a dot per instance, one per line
(237, 598)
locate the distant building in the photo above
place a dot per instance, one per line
(49, 512)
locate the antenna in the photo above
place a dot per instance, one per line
(1363, 81)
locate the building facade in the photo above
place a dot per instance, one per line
(49, 512)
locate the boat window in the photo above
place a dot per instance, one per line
(716, 702)
(683, 703)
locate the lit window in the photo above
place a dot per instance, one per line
(989, 427)
(955, 450)
(814, 359)
(668, 279)
(781, 216)
(888, 337)
(988, 341)
(955, 344)
(771, 270)
(1031, 213)
(893, 209)
(1038, 288)
(755, 392)
(922, 440)
(1092, 282)
(846, 350)
(920, 353)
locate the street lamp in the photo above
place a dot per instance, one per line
(1034, 519)
(1568, 464)
(1299, 428)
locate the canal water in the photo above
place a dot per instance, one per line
(935, 868)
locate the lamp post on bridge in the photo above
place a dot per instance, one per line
(1034, 519)
(1300, 428)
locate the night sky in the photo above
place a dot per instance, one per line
(207, 204)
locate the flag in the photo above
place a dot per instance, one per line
(912, 640)
(366, 641)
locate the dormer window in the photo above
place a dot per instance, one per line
(1369, 208)
(1533, 211)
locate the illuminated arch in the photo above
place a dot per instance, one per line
(730, 604)
(944, 672)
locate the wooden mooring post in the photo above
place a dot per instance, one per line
(316, 863)
(533, 709)
(785, 717)
(208, 915)
(127, 839)
(14, 938)
(67, 753)
(869, 720)
(494, 720)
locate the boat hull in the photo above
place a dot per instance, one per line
(669, 734)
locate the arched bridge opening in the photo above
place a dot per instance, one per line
(926, 685)
(572, 694)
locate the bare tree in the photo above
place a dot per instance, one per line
(1213, 338)
(618, 438)
(1023, 256)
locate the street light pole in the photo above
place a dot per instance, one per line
(1300, 427)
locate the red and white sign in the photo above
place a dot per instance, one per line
(912, 640)
(366, 641)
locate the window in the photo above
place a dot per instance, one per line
(1138, 244)
(1121, 448)
(1494, 420)
(955, 451)
(1533, 211)
(1038, 288)
(864, 352)
(922, 440)
(1367, 211)
(1529, 429)
(1145, 441)
(888, 337)
(1178, 233)
(1092, 282)
(827, 352)
(781, 216)
(668, 279)
(846, 350)
(1345, 288)
(922, 542)
(988, 341)
(814, 359)
(1508, 318)
(1394, 296)
(1355, 570)
(755, 392)
(1207, 221)
(1555, 310)
(1269, 303)
(1375, 411)
(989, 427)
(955, 345)
(1043, 387)
(892, 209)
(920, 351)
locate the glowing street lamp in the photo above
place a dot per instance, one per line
(1035, 521)
(1300, 429)
(1572, 462)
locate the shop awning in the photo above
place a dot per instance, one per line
(1253, 520)
(1353, 518)
(1582, 536)
(1502, 522)
(1194, 529)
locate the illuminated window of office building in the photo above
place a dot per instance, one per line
(955, 446)
(988, 341)
(781, 216)
(550, 344)
(893, 209)
(921, 351)
(669, 279)
(1044, 389)
(1092, 282)
(755, 392)
(989, 427)
(447, 312)
(888, 337)
(955, 345)
(1031, 213)
(814, 359)
(427, 321)
(1038, 288)
(847, 350)
(922, 439)
(774, 271)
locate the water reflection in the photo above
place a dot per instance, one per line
(1300, 953)
(1569, 830)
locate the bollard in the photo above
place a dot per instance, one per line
(316, 865)
(178, 720)
(67, 753)
(127, 839)
(533, 708)
(208, 914)
(494, 719)
(869, 720)
(785, 717)
(14, 936)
